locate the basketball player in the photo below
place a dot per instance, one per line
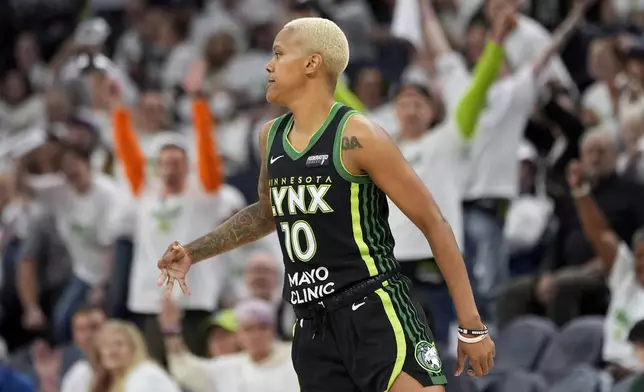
(325, 178)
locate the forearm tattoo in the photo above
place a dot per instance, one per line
(248, 225)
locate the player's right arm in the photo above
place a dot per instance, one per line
(248, 225)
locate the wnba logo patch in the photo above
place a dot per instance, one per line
(427, 357)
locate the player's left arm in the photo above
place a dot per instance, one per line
(367, 148)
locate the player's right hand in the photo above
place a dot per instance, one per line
(174, 265)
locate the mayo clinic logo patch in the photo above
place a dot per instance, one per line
(317, 161)
(427, 357)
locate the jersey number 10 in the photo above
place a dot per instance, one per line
(292, 235)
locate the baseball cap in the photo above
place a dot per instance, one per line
(224, 319)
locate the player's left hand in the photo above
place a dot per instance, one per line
(480, 356)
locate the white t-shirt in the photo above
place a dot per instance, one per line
(83, 220)
(238, 373)
(438, 160)
(183, 218)
(526, 42)
(149, 377)
(494, 170)
(78, 378)
(626, 308)
(492, 156)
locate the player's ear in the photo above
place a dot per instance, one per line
(314, 63)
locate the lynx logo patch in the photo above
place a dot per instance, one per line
(427, 357)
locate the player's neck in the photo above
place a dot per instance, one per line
(310, 111)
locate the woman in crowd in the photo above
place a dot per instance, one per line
(122, 364)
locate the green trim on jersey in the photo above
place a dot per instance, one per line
(337, 154)
(272, 131)
(398, 289)
(358, 233)
(288, 147)
(374, 228)
(399, 335)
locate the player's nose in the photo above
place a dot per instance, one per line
(269, 67)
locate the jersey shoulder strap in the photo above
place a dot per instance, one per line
(277, 127)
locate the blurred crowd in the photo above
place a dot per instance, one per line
(128, 124)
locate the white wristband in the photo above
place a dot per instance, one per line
(467, 340)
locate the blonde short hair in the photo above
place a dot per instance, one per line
(325, 38)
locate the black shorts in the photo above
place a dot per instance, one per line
(365, 345)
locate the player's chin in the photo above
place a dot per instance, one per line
(271, 96)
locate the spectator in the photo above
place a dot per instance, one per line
(630, 163)
(65, 368)
(626, 277)
(44, 270)
(602, 101)
(19, 107)
(29, 61)
(11, 381)
(636, 338)
(121, 361)
(170, 209)
(80, 203)
(265, 362)
(221, 331)
(572, 284)
(527, 41)
(262, 282)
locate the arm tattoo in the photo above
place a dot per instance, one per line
(248, 225)
(350, 143)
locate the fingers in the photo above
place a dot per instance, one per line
(477, 367)
(184, 286)
(163, 278)
(165, 260)
(460, 363)
(490, 362)
(168, 288)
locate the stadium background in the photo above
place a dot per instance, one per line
(185, 69)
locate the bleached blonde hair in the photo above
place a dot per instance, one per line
(322, 36)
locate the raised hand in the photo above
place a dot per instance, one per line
(575, 176)
(47, 364)
(174, 265)
(504, 23)
(170, 316)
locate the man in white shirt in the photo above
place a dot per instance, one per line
(161, 211)
(625, 279)
(82, 203)
(494, 170)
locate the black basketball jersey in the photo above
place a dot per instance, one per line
(332, 225)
